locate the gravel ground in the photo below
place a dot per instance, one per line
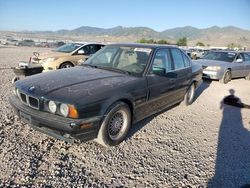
(204, 145)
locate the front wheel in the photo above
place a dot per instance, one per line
(189, 96)
(226, 77)
(115, 125)
(66, 65)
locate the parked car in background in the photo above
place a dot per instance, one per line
(197, 53)
(57, 44)
(116, 87)
(50, 44)
(225, 65)
(67, 55)
(27, 42)
(186, 51)
(11, 42)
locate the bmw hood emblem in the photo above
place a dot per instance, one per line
(32, 88)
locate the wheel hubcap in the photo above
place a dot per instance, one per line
(66, 66)
(117, 124)
(227, 77)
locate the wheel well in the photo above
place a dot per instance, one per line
(66, 62)
(129, 103)
(126, 101)
(195, 83)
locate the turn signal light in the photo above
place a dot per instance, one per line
(73, 112)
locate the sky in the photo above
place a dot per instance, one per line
(34, 15)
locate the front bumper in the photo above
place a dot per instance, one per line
(211, 75)
(62, 128)
(48, 67)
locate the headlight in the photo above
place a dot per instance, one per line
(64, 109)
(18, 93)
(52, 106)
(213, 68)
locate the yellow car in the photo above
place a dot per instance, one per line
(66, 56)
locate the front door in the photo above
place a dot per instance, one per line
(238, 68)
(161, 81)
(246, 63)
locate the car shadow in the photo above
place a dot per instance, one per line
(232, 168)
(139, 125)
(205, 84)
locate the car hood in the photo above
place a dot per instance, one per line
(72, 84)
(53, 54)
(206, 62)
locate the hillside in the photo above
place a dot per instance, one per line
(212, 36)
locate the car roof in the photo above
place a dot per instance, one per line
(140, 45)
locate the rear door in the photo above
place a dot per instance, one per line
(161, 84)
(183, 70)
(246, 62)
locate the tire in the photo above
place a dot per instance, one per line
(226, 77)
(66, 65)
(189, 96)
(115, 125)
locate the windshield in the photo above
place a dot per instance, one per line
(128, 59)
(67, 48)
(220, 56)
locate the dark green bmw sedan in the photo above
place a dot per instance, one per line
(118, 86)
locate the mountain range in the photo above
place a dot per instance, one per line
(212, 36)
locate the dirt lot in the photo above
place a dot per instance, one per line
(205, 144)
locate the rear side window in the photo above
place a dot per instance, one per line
(246, 57)
(177, 58)
(186, 60)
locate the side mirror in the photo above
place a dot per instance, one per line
(239, 60)
(159, 71)
(81, 52)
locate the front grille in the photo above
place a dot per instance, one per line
(33, 102)
(23, 97)
(29, 100)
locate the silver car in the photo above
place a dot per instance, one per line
(225, 65)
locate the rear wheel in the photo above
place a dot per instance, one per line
(226, 77)
(66, 65)
(189, 96)
(115, 126)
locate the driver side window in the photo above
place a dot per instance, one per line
(162, 61)
(246, 57)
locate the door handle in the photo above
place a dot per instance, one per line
(172, 80)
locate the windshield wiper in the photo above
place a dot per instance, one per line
(89, 65)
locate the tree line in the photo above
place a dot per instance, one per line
(182, 42)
